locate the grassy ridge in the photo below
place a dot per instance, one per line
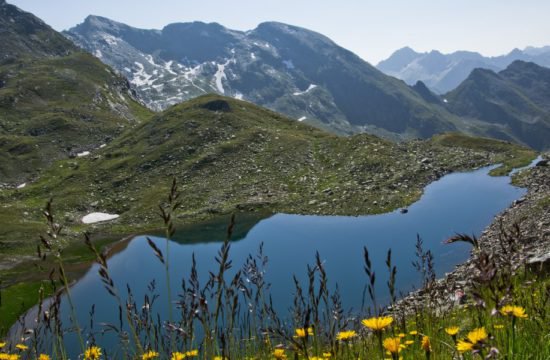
(52, 108)
(242, 158)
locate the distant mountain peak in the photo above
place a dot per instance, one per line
(444, 72)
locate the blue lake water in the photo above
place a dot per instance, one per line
(457, 203)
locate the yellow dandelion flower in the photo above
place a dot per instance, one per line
(392, 345)
(192, 353)
(377, 323)
(413, 332)
(463, 346)
(409, 342)
(219, 358)
(177, 356)
(401, 335)
(425, 344)
(148, 355)
(279, 354)
(346, 335)
(515, 311)
(44, 357)
(477, 335)
(2, 344)
(327, 355)
(21, 347)
(92, 353)
(452, 330)
(498, 326)
(301, 332)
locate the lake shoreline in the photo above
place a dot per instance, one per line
(533, 218)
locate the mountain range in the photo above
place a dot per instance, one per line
(296, 72)
(444, 72)
(292, 70)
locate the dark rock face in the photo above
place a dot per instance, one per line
(510, 100)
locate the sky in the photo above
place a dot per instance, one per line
(373, 29)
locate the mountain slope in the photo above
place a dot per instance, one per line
(231, 155)
(515, 102)
(444, 72)
(288, 69)
(55, 100)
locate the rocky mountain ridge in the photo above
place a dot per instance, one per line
(444, 72)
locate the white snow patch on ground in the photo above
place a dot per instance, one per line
(220, 75)
(302, 118)
(141, 77)
(98, 54)
(252, 56)
(310, 87)
(127, 70)
(445, 101)
(288, 63)
(98, 217)
(168, 67)
(149, 59)
(102, 146)
(21, 186)
(84, 153)
(238, 95)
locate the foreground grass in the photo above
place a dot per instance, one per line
(17, 299)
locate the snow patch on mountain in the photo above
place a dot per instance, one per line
(310, 87)
(141, 78)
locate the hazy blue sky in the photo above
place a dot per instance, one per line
(371, 28)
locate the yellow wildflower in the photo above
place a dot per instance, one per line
(498, 326)
(378, 323)
(515, 311)
(409, 342)
(413, 332)
(463, 346)
(279, 354)
(219, 358)
(477, 335)
(327, 355)
(401, 335)
(177, 356)
(301, 332)
(392, 345)
(346, 335)
(92, 353)
(425, 344)
(21, 347)
(44, 357)
(452, 330)
(2, 344)
(148, 355)
(192, 353)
